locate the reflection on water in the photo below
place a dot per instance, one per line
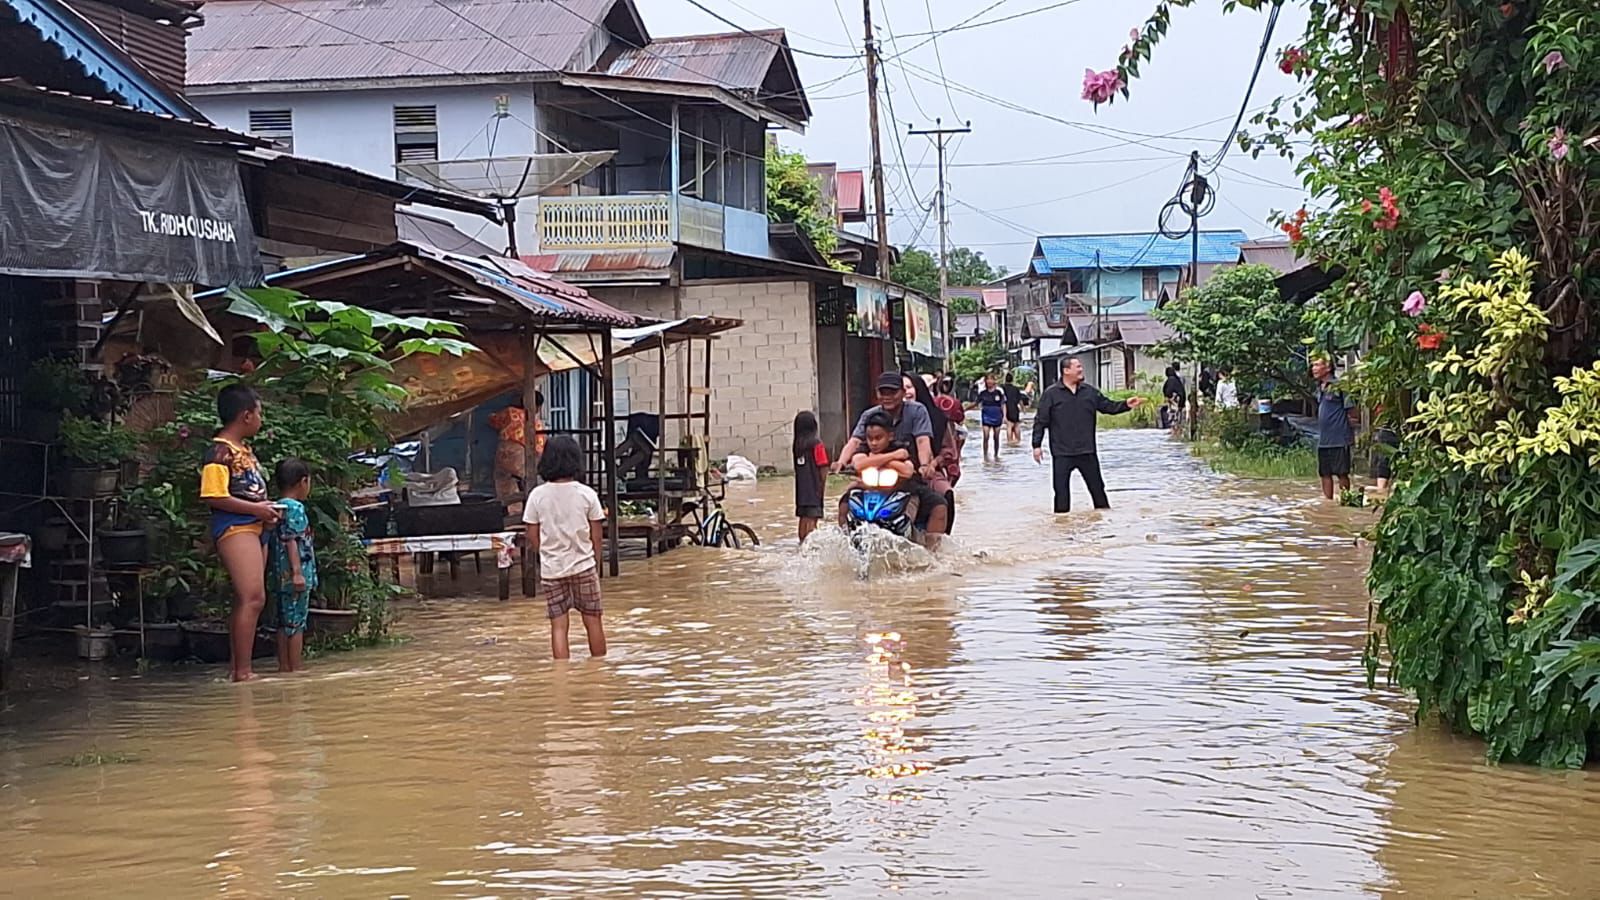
(1161, 699)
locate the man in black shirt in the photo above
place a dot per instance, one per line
(1068, 411)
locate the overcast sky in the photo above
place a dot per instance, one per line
(1193, 87)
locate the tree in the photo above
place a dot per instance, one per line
(1237, 321)
(968, 268)
(919, 270)
(963, 305)
(1454, 149)
(794, 195)
(983, 357)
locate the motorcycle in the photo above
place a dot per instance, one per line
(882, 503)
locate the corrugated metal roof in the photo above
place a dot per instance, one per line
(1143, 331)
(966, 325)
(15, 90)
(251, 41)
(1038, 325)
(735, 60)
(579, 263)
(1134, 250)
(994, 299)
(417, 228)
(1274, 252)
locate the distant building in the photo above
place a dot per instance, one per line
(1099, 290)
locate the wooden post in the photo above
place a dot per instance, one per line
(530, 455)
(661, 437)
(608, 441)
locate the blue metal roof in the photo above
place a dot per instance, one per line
(100, 59)
(1141, 250)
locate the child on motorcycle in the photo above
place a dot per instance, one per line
(882, 453)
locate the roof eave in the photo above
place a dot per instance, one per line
(224, 89)
(756, 111)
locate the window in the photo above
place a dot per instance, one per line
(1077, 283)
(275, 125)
(416, 134)
(1152, 284)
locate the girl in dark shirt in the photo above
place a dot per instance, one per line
(810, 473)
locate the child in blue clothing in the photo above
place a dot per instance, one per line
(292, 562)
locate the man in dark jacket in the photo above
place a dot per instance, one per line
(1068, 410)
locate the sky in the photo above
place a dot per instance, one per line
(1116, 182)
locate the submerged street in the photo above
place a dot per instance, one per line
(1163, 700)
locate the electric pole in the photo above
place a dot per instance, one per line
(939, 133)
(870, 44)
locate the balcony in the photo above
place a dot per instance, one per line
(641, 221)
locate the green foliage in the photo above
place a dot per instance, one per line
(53, 383)
(93, 443)
(918, 270)
(323, 377)
(1142, 417)
(793, 195)
(1236, 321)
(984, 357)
(1485, 142)
(963, 305)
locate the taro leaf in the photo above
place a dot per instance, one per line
(1576, 561)
(248, 306)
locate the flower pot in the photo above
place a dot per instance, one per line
(124, 548)
(331, 622)
(94, 643)
(206, 641)
(91, 482)
(183, 606)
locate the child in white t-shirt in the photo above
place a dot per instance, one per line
(566, 527)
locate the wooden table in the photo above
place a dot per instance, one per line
(504, 544)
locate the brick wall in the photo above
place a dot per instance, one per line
(762, 373)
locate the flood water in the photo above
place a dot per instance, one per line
(1163, 700)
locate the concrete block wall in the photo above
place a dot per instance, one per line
(762, 373)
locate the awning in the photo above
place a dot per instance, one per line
(76, 203)
(440, 387)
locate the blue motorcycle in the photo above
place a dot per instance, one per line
(881, 503)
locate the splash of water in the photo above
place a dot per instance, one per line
(871, 553)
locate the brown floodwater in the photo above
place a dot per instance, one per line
(1163, 700)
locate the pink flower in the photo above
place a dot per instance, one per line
(1415, 305)
(1100, 87)
(1444, 276)
(1133, 35)
(1558, 144)
(1553, 61)
(1357, 120)
(183, 432)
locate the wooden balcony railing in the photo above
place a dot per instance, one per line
(605, 223)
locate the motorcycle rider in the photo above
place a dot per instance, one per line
(883, 453)
(912, 429)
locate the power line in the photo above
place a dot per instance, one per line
(939, 58)
(968, 23)
(810, 37)
(735, 25)
(1244, 105)
(1104, 187)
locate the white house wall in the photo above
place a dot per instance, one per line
(356, 128)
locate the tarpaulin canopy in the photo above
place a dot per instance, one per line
(440, 387)
(77, 203)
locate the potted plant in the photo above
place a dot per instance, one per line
(206, 637)
(94, 643)
(95, 451)
(51, 388)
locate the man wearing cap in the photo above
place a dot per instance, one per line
(913, 428)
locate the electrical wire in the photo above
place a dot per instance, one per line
(938, 57)
(968, 23)
(1095, 190)
(735, 25)
(1261, 57)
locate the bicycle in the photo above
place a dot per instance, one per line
(709, 525)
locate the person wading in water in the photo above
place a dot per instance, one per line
(1068, 410)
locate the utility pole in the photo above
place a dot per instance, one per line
(1197, 197)
(870, 44)
(939, 133)
(1099, 327)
